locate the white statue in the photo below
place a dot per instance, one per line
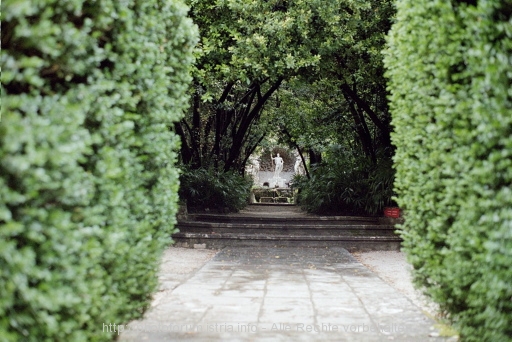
(254, 169)
(298, 167)
(278, 165)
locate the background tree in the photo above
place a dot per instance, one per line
(341, 113)
(348, 93)
(247, 50)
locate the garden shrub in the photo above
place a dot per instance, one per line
(449, 68)
(206, 188)
(88, 186)
(347, 185)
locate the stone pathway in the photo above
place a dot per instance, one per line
(281, 294)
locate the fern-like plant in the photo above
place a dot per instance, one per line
(346, 185)
(222, 191)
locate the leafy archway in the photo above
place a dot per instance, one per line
(249, 50)
(310, 70)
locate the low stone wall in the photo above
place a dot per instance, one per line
(266, 177)
(280, 195)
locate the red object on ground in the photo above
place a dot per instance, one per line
(392, 212)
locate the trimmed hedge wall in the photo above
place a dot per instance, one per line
(450, 77)
(88, 186)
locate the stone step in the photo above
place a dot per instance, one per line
(351, 243)
(273, 227)
(299, 220)
(286, 225)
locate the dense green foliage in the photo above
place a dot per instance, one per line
(88, 187)
(221, 191)
(343, 184)
(340, 112)
(248, 49)
(307, 74)
(449, 65)
(345, 100)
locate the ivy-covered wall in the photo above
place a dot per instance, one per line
(88, 186)
(449, 65)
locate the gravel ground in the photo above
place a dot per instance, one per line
(393, 268)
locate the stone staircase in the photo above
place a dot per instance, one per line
(283, 226)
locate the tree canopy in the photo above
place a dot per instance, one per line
(249, 49)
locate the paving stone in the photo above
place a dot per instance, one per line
(307, 294)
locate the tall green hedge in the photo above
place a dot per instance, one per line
(450, 76)
(88, 186)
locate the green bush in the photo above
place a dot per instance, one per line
(449, 69)
(204, 188)
(88, 186)
(347, 185)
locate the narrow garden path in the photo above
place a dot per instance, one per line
(276, 294)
